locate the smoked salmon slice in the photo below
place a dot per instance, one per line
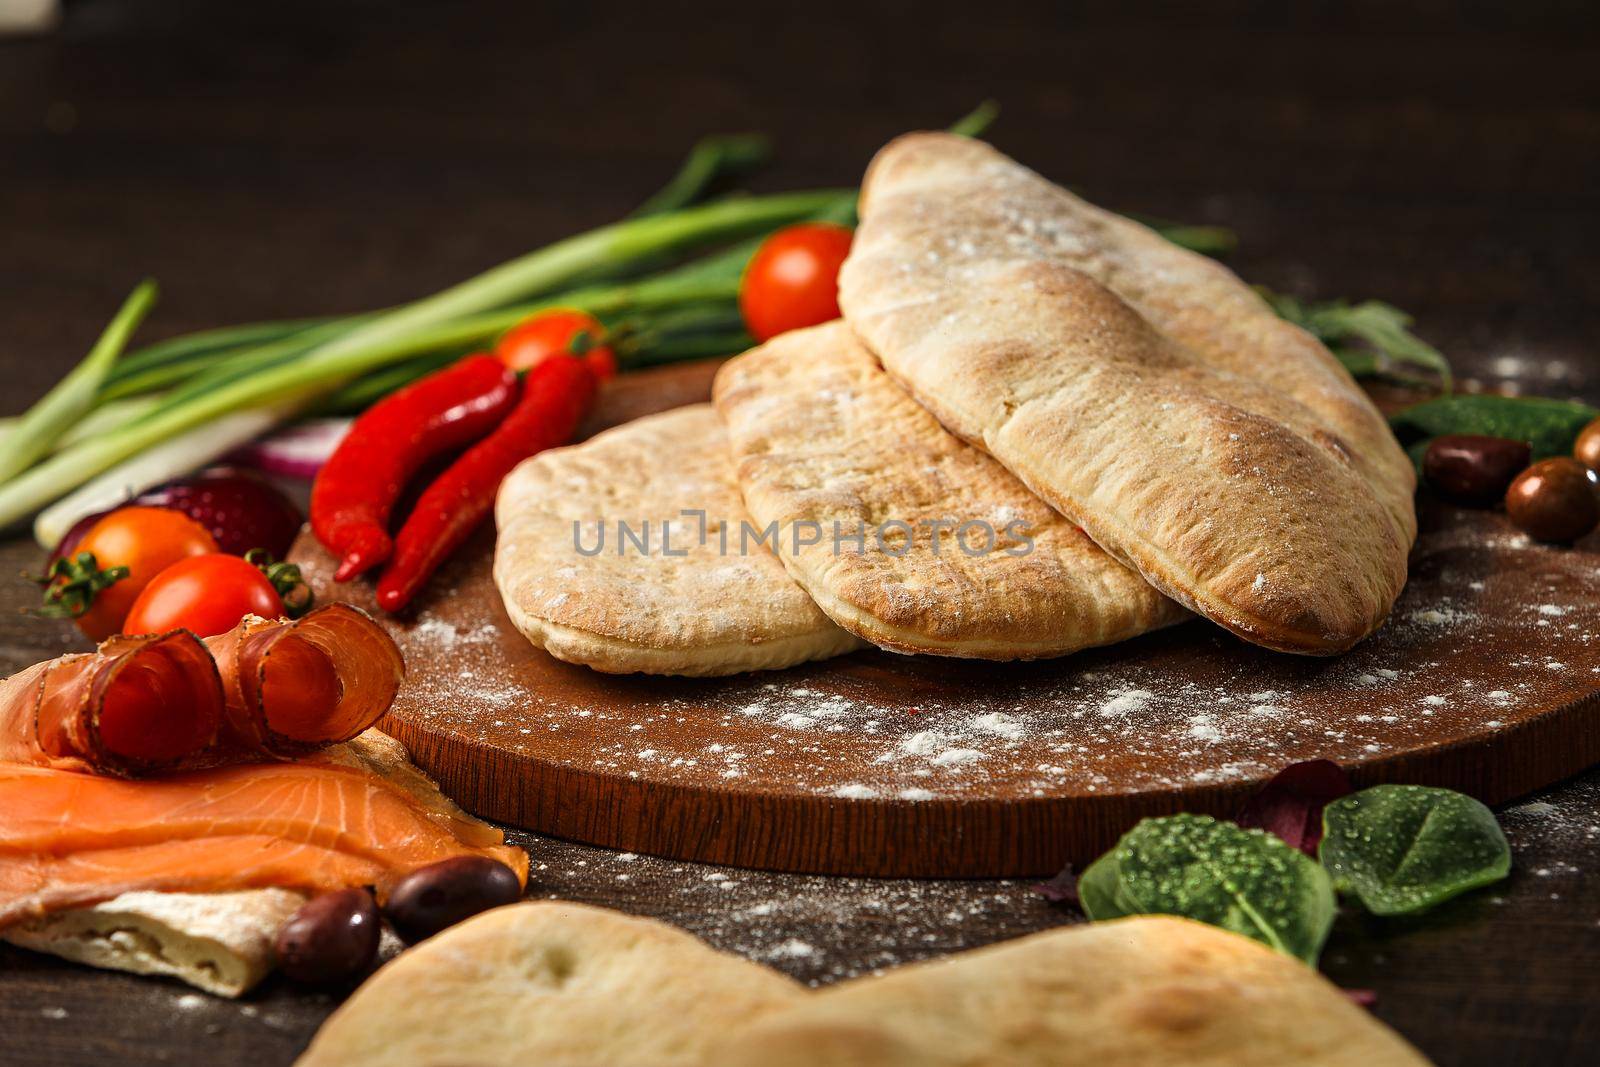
(357, 814)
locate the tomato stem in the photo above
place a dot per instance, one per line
(292, 588)
(72, 584)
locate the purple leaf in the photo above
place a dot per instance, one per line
(1062, 889)
(1290, 805)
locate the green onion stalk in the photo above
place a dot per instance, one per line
(196, 349)
(711, 160)
(617, 246)
(167, 363)
(464, 314)
(73, 397)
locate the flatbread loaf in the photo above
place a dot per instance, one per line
(1141, 992)
(557, 985)
(952, 554)
(1144, 391)
(566, 985)
(719, 608)
(219, 942)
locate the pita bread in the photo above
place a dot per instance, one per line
(558, 985)
(219, 942)
(1141, 992)
(823, 438)
(564, 984)
(1142, 390)
(708, 611)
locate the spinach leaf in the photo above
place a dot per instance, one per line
(1246, 881)
(1550, 426)
(1401, 849)
(1097, 889)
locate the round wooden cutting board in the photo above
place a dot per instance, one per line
(1486, 679)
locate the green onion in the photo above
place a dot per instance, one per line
(1214, 241)
(460, 315)
(613, 248)
(979, 119)
(684, 332)
(204, 344)
(355, 397)
(691, 346)
(110, 415)
(74, 395)
(711, 159)
(166, 364)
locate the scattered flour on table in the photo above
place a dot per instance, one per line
(1439, 616)
(824, 929)
(1108, 719)
(819, 929)
(792, 949)
(1126, 702)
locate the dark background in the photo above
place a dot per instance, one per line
(290, 159)
(280, 159)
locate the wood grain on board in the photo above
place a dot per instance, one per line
(1485, 679)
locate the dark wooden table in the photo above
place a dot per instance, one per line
(291, 159)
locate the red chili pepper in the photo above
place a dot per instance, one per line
(556, 395)
(358, 486)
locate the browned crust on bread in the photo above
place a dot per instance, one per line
(821, 435)
(1144, 391)
(704, 612)
(1137, 992)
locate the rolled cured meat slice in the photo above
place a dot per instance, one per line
(135, 706)
(294, 686)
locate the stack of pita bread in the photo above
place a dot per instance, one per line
(1126, 430)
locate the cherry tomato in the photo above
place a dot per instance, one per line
(144, 540)
(793, 279)
(564, 331)
(206, 594)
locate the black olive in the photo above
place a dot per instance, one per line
(437, 896)
(1587, 448)
(1473, 470)
(332, 939)
(1554, 500)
